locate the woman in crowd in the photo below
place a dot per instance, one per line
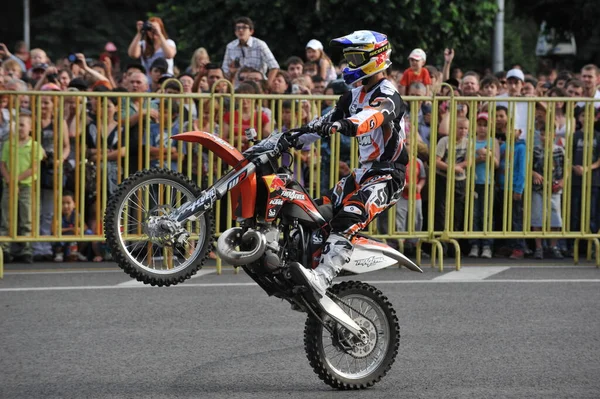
(314, 53)
(198, 62)
(282, 83)
(151, 42)
(64, 78)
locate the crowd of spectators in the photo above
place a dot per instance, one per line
(249, 67)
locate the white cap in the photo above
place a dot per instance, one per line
(418, 54)
(314, 44)
(515, 73)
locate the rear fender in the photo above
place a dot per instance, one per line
(230, 155)
(370, 255)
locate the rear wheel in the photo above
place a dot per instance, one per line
(337, 357)
(144, 240)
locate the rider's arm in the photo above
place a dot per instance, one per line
(336, 114)
(381, 110)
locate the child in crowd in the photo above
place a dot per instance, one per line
(486, 148)
(71, 250)
(402, 206)
(515, 249)
(38, 56)
(579, 146)
(489, 88)
(442, 162)
(537, 201)
(501, 122)
(416, 72)
(26, 149)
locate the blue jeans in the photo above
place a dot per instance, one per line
(478, 215)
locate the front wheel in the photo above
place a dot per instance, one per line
(144, 240)
(338, 358)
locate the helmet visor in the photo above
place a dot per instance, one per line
(356, 58)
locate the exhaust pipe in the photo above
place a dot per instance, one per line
(233, 238)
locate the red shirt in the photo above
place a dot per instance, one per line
(409, 77)
(419, 173)
(246, 123)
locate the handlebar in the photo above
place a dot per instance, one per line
(287, 139)
(292, 136)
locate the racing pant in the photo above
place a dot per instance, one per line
(357, 199)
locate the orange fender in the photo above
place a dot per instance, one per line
(230, 155)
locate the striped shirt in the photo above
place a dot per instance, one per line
(254, 54)
(558, 160)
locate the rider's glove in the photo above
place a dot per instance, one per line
(343, 126)
(326, 128)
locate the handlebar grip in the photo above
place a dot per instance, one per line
(283, 145)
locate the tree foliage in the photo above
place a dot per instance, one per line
(64, 26)
(287, 26)
(579, 17)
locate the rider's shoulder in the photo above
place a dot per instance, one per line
(388, 88)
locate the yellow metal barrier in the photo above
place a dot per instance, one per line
(144, 123)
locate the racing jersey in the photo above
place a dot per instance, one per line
(377, 119)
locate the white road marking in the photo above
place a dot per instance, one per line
(472, 273)
(203, 272)
(58, 271)
(131, 283)
(230, 269)
(135, 283)
(218, 285)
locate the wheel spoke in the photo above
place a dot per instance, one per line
(362, 359)
(143, 207)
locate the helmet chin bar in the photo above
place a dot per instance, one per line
(369, 79)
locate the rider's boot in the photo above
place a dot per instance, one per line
(336, 252)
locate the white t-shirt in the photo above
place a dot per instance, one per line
(521, 109)
(147, 62)
(596, 104)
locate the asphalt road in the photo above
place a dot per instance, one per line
(502, 331)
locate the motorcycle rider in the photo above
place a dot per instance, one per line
(373, 114)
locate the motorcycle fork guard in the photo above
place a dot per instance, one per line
(329, 307)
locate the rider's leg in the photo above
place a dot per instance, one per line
(356, 211)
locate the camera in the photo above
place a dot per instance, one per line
(236, 63)
(72, 58)
(147, 27)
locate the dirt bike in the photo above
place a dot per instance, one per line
(159, 227)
